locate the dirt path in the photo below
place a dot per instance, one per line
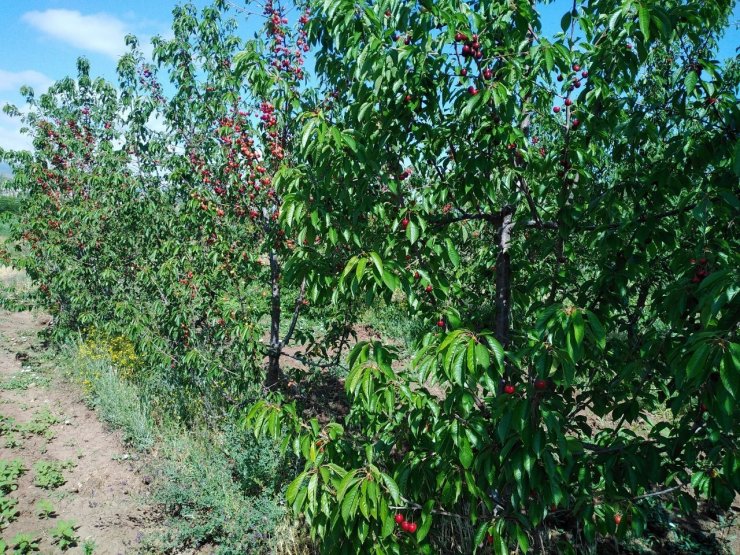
(43, 420)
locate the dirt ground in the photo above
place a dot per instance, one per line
(104, 492)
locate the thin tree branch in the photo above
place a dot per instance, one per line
(296, 311)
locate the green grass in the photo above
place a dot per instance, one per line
(217, 484)
(10, 204)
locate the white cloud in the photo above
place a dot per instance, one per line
(14, 80)
(99, 32)
(10, 133)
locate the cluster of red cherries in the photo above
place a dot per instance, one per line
(406, 525)
(700, 270)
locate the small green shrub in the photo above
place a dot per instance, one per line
(49, 474)
(88, 547)
(10, 471)
(25, 543)
(117, 401)
(40, 424)
(8, 511)
(64, 535)
(225, 495)
(12, 441)
(44, 509)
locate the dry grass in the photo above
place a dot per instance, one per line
(14, 279)
(291, 538)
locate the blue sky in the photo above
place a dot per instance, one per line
(44, 38)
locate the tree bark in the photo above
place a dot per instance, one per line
(502, 327)
(273, 361)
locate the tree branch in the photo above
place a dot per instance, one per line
(296, 311)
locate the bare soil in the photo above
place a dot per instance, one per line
(104, 493)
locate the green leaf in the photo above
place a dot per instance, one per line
(498, 351)
(579, 328)
(392, 487)
(644, 14)
(466, 452)
(350, 502)
(412, 232)
(294, 486)
(695, 365)
(729, 370)
(346, 482)
(307, 130)
(452, 253)
(360, 270)
(482, 356)
(426, 520)
(549, 60)
(375, 257)
(596, 329)
(470, 355)
(390, 280)
(690, 81)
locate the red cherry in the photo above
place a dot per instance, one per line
(407, 98)
(540, 385)
(428, 288)
(702, 261)
(417, 275)
(617, 519)
(568, 102)
(399, 518)
(584, 74)
(629, 46)
(509, 389)
(387, 13)
(459, 37)
(560, 77)
(404, 223)
(489, 539)
(556, 109)
(576, 122)
(576, 67)
(695, 279)
(412, 527)
(487, 73)
(405, 526)
(542, 152)
(472, 90)
(440, 323)
(463, 72)
(577, 84)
